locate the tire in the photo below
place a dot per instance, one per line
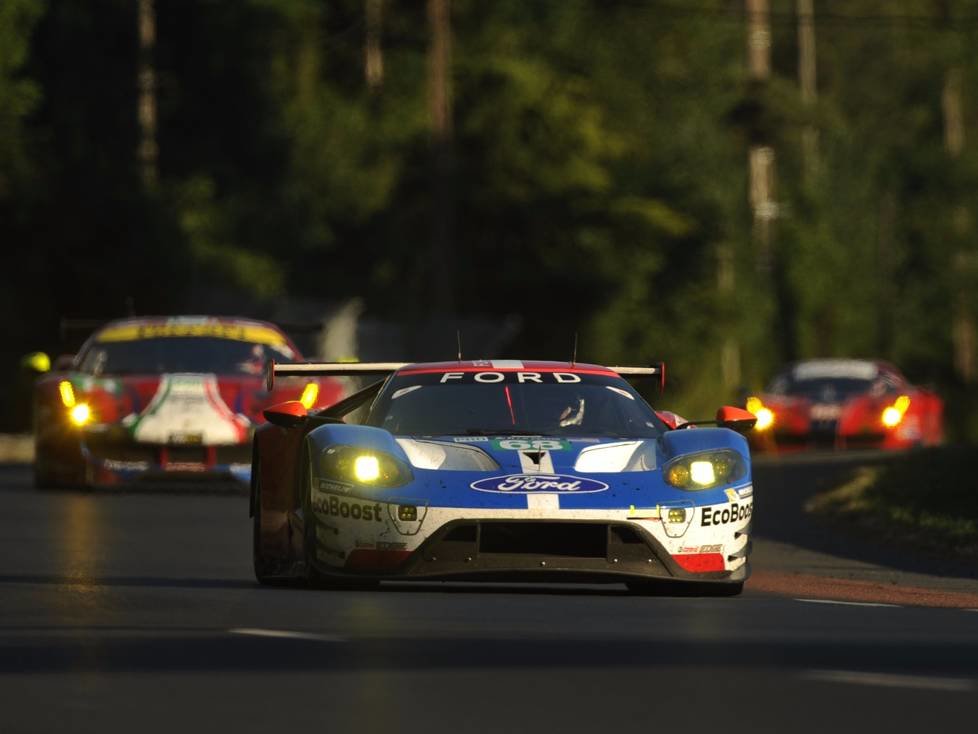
(42, 477)
(666, 587)
(265, 570)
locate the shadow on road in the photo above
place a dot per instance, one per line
(106, 651)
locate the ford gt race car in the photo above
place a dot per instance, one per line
(163, 398)
(845, 403)
(500, 470)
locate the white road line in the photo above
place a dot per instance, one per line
(285, 634)
(890, 680)
(847, 603)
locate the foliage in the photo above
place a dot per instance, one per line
(596, 175)
(925, 499)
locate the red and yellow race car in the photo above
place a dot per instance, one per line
(844, 403)
(163, 398)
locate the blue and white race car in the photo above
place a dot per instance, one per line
(501, 470)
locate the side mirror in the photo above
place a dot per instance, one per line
(288, 414)
(36, 362)
(736, 419)
(64, 363)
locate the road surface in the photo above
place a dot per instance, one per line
(138, 612)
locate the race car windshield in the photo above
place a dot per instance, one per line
(513, 403)
(823, 389)
(181, 354)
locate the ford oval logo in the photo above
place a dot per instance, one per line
(526, 483)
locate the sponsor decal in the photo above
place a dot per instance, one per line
(735, 513)
(328, 485)
(738, 494)
(341, 507)
(519, 378)
(187, 439)
(255, 333)
(701, 549)
(644, 513)
(471, 439)
(825, 412)
(527, 483)
(189, 466)
(390, 546)
(379, 545)
(531, 444)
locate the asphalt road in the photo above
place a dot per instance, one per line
(138, 612)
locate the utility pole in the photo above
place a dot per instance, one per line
(148, 151)
(440, 113)
(761, 160)
(373, 62)
(807, 83)
(726, 287)
(964, 262)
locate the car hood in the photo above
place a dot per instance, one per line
(197, 408)
(556, 455)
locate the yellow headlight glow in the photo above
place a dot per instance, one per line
(366, 468)
(893, 414)
(67, 393)
(80, 414)
(678, 475)
(309, 395)
(701, 472)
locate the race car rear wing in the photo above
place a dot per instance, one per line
(657, 369)
(328, 369)
(354, 369)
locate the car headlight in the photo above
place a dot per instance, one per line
(764, 415)
(310, 394)
(892, 415)
(705, 470)
(363, 466)
(80, 414)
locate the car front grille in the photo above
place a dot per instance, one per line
(568, 540)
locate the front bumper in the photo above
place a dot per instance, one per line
(352, 538)
(112, 462)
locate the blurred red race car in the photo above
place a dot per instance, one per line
(844, 403)
(163, 398)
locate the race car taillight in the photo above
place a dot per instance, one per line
(893, 414)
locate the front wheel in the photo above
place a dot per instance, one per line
(265, 568)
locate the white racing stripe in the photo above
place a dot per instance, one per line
(285, 634)
(848, 603)
(890, 680)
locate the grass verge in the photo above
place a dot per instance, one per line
(16, 448)
(926, 499)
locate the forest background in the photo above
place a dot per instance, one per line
(726, 185)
